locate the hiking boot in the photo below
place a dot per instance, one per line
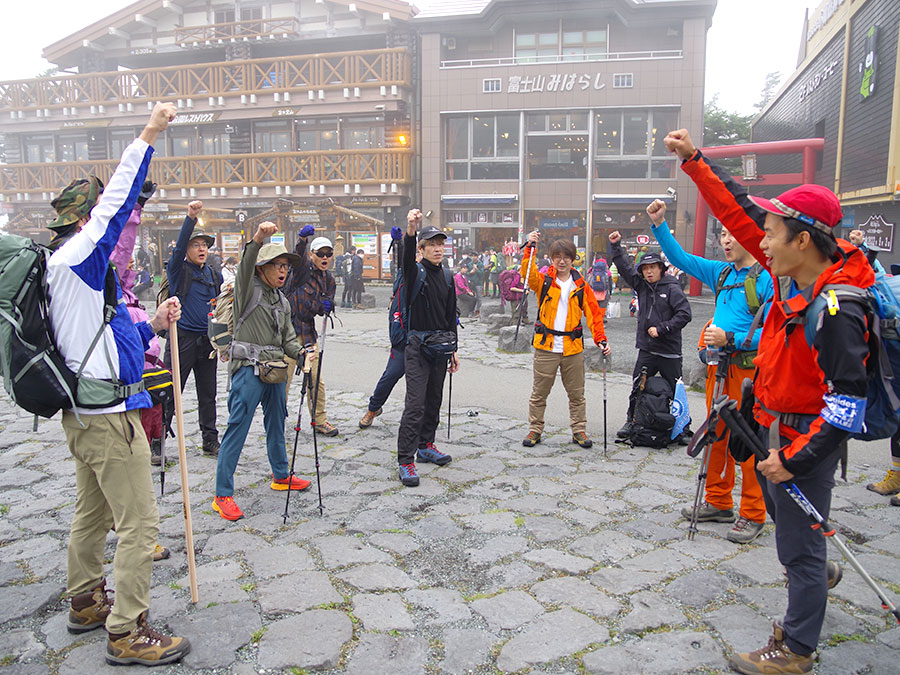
(709, 514)
(156, 451)
(289, 483)
(775, 657)
(833, 570)
(326, 429)
(368, 418)
(226, 508)
(625, 431)
(211, 447)
(144, 645)
(431, 455)
(895, 501)
(889, 486)
(89, 610)
(744, 531)
(408, 475)
(160, 553)
(582, 439)
(532, 439)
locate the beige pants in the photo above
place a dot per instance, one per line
(571, 368)
(312, 365)
(112, 477)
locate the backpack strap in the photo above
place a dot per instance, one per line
(750, 286)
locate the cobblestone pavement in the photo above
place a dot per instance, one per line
(551, 559)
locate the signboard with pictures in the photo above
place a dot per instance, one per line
(878, 233)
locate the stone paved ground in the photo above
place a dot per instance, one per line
(552, 559)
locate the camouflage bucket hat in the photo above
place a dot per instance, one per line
(76, 201)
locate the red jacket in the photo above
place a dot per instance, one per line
(793, 376)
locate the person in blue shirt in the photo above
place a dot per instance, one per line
(728, 332)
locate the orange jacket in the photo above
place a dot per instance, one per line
(547, 312)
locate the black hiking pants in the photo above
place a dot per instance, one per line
(424, 391)
(668, 369)
(193, 355)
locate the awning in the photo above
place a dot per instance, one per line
(461, 200)
(631, 199)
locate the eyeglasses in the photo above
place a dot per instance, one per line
(279, 266)
(323, 254)
(561, 258)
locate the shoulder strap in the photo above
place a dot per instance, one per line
(720, 282)
(545, 288)
(419, 283)
(750, 287)
(251, 305)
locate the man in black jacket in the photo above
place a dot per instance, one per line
(663, 311)
(430, 349)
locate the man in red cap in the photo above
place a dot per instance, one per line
(809, 397)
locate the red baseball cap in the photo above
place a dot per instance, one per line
(811, 204)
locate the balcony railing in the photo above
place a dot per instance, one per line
(238, 30)
(296, 169)
(563, 58)
(363, 69)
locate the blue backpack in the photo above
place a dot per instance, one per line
(882, 308)
(398, 311)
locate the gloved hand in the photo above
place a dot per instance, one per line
(307, 231)
(147, 190)
(327, 305)
(396, 233)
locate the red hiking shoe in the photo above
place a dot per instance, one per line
(226, 508)
(289, 483)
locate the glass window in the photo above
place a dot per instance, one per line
(458, 138)
(621, 168)
(39, 149)
(457, 170)
(578, 121)
(662, 168)
(272, 137)
(558, 121)
(526, 40)
(508, 136)
(664, 121)
(529, 45)
(608, 136)
(495, 170)
(536, 122)
(483, 136)
(183, 141)
(72, 149)
(560, 156)
(634, 133)
(328, 139)
(119, 140)
(214, 141)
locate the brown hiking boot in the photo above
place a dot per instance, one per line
(89, 610)
(532, 439)
(368, 418)
(775, 657)
(326, 429)
(160, 553)
(889, 486)
(144, 645)
(582, 439)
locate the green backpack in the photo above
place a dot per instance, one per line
(34, 372)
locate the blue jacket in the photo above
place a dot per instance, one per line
(205, 283)
(731, 314)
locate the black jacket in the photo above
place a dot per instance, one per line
(662, 304)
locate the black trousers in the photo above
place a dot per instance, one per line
(801, 549)
(193, 355)
(348, 290)
(424, 391)
(668, 369)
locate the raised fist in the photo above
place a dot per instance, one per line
(194, 209)
(264, 231)
(615, 237)
(162, 114)
(657, 211)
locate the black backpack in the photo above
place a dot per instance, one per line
(653, 421)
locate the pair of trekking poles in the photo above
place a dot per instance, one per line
(726, 410)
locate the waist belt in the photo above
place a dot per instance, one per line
(792, 420)
(543, 331)
(247, 351)
(743, 359)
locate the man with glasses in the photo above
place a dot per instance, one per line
(196, 283)
(310, 292)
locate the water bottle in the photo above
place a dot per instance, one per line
(712, 353)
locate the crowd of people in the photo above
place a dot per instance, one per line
(807, 396)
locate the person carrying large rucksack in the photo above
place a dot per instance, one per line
(600, 281)
(197, 284)
(811, 383)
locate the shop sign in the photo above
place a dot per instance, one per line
(826, 11)
(357, 201)
(304, 215)
(195, 118)
(558, 223)
(83, 124)
(642, 239)
(277, 238)
(529, 84)
(812, 84)
(869, 65)
(878, 233)
(367, 242)
(284, 112)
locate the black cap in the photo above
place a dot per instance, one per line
(430, 232)
(651, 259)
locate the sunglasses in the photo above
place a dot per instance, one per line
(323, 254)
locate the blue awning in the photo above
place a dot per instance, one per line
(462, 200)
(631, 199)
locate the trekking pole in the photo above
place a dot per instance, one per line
(449, 399)
(162, 462)
(706, 436)
(524, 298)
(305, 380)
(182, 460)
(741, 429)
(603, 346)
(312, 424)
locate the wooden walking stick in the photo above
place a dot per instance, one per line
(182, 460)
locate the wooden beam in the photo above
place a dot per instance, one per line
(172, 6)
(146, 20)
(119, 33)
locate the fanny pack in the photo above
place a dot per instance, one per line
(272, 372)
(158, 383)
(436, 343)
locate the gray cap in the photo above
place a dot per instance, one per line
(430, 232)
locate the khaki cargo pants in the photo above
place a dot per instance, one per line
(114, 487)
(571, 370)
(312, 365)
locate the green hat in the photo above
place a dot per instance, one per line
(270, 251)
(76, 201)
(199, 233)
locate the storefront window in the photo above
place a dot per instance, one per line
(627, 139)
(214, 141)
(507, 135)
(664, 121)
(183, 141)
(39, 149)
(483, 136)
(119, 140)
(634, 133)
(458, 138)
(72, 149)
(562, 156)
(494, 144)
(272, 137)
(609, 136)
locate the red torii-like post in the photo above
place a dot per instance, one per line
(808, 147)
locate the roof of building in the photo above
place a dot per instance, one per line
(470, 8)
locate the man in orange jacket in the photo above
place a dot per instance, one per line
(563, 298)
(809, 397)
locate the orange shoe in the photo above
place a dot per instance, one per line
(226, 508)
(289, 483)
